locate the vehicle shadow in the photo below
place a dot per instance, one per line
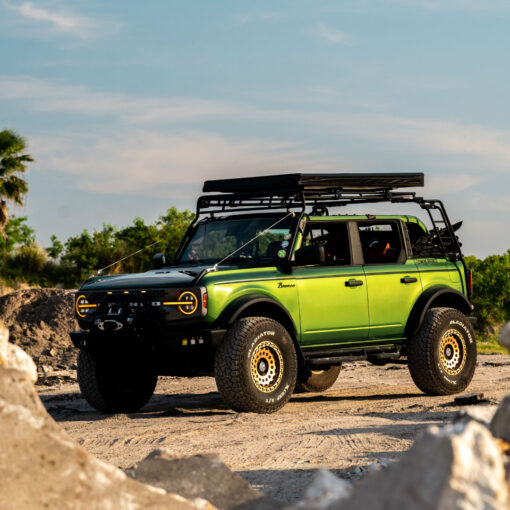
(73, 407)
(321, 397)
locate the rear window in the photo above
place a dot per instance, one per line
(380, 242)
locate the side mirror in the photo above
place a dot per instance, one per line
(310, 256)
(159, 260)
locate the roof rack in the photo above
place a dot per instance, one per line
(316, 182)
(297, 191)
(320, 191)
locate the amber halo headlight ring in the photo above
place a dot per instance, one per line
(187, 302)
(191, 301)
(82, 306)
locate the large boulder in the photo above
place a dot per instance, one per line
(13, 356)
(201, 476)
(459, 466)
(42, 467)
(504, 336)
(500, 425)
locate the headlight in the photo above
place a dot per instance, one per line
(82, 306)
(187, 303)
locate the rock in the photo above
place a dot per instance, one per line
(201, 476)
(500, 425)
(12, 356)
(325, 489)
(470, 399)
(482, 414)
(456, 467)
(42, 467)
(504, 336)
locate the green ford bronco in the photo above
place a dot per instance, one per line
(270, 293)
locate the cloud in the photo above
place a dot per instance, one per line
(158, 164)
(60, 22)
(329, 35)
(47, 96)
(463, 145)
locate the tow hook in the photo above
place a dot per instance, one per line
(109, 325)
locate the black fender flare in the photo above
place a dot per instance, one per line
(437, 296)
(236, 309)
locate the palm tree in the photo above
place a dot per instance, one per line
(12, 163)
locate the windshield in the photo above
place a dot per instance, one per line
(214, 240)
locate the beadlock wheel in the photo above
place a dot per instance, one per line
(256, 365)
(452, 352)
(267, 367)
(442, 354)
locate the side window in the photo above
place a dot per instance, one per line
(335, 239)
(380, 242)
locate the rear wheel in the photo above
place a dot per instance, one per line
(256, 366)
(442, 354)
(112, 386)
(316, 380)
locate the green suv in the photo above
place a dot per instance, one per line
(271, 293)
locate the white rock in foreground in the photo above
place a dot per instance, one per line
(500, 425)
(42, 467)
(504, 336)
(325, 489)
(456, 467)
(12, 356)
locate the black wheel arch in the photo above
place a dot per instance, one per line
(432, 298)
(257, 305)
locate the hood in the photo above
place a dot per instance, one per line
(159, 278)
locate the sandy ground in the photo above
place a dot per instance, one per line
(370, 413)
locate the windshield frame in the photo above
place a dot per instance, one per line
(192, 229)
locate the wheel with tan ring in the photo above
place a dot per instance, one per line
(256, 366)
(442, 354)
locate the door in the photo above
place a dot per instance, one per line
(332, 296)
(393, 282)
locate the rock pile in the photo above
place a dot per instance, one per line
(39, 321)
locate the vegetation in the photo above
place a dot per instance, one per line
(69, 263)
(12, 163)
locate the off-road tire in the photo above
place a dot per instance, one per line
(442, 354)
(251, 345)
(314, 381)
(110, 388)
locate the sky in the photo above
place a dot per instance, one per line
(129, 106)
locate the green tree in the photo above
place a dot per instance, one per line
(87, 252)
(491, 288)
(13, 162)
(17, 234)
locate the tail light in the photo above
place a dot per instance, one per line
(469, 278)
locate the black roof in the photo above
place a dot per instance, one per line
(316, 182)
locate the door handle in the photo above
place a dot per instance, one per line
(408, 279)
(353, 283)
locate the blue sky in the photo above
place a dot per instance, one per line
(129, 106)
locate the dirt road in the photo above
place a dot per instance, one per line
(370, 413)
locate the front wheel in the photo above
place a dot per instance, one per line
(317, 380)
(256, 366)
(442, 354)
(111, 386)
